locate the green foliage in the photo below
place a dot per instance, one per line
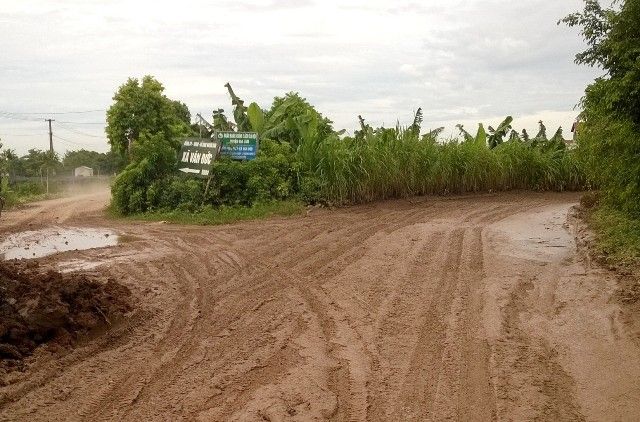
(541, 136)
(153, 158)
(152, 183)
(209, 215)
(287, 114)
(613, 39)
(239, 111)
(480, 137)
(270, 176)
(175, 192)
(417, 122)
(141, 107)
(302, 157)
(393, 163)
(23, 192)
(220, 121)
(37, 163)
(609, 133)
(497, 136)
(101, 163)
(256, 118)
(618, 235)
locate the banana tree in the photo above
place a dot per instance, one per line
(479, 138)
(542, 132)
(433, 134)
(256, 118)
(417, 122)
(239, 110)
(496, 136)
(220, 121)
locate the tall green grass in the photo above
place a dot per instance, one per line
(398, 163)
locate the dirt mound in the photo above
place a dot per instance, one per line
(39, 307)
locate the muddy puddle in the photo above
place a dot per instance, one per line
(39, 243)
(541, 235)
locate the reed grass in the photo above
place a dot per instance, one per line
(397, 163)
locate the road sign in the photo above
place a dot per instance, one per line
(197, 156)
(238, 145)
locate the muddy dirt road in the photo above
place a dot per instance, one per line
(471, 309)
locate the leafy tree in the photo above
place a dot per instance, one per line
(287, 114)
(609, 137)
(102, 163)
(141, 107)
(38, 163)
(4, 169)
(613, 39)
(153, 158)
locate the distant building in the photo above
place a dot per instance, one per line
(576, 126)
(83, 171)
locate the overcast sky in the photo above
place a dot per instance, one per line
(462, 61)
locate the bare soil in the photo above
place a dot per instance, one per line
(38, 307)
(466, 308)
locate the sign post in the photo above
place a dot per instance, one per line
(197, 155)
(238, 145)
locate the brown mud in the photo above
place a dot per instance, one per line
(467, 308)
(45, 307)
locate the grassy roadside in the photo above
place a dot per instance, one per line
(617, 237)
(224, 215)
(12, 201)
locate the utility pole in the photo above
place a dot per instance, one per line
(50, 135)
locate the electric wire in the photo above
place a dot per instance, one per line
(78, 132)
(73, 142)
(52, 112)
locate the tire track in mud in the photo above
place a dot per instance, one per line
(113, 402)
(536, 387)
(394, 333)
(365, 313)
(417, 393)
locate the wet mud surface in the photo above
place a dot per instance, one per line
(38, 243)
(43, 307)
(464, 308)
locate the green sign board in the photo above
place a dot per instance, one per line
(197, 156)
(238, 145)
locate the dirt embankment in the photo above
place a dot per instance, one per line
(39, 306)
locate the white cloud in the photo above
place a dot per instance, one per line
(461, 60)
(411, 70)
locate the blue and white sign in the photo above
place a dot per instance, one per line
(238, 145)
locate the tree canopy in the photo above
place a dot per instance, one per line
(102, 163)
(609, 137)
(613, 39)
(141, 107)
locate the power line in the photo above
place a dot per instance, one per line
(31, 119)
(82, 123)
(53, 112)
(71, 142)
(70, 129)
(22, 134)
(12, 117)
